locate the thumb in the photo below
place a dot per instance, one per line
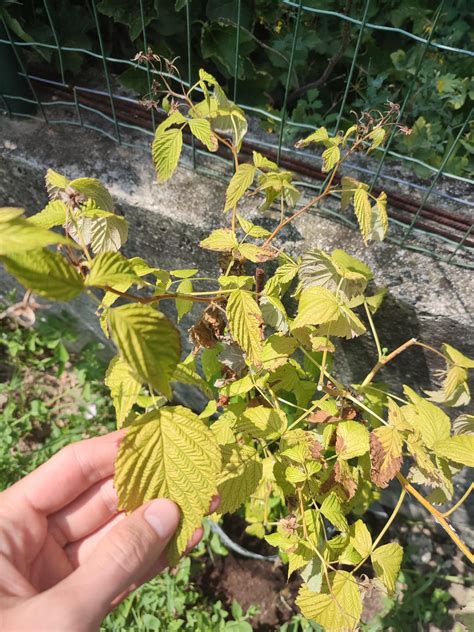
(122, 557)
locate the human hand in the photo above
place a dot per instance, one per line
(67, 556)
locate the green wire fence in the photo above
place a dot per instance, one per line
(421, 219)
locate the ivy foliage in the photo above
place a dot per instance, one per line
(280, 435)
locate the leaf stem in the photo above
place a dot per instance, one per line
(463, 498)
(386, 359)
(373, 330)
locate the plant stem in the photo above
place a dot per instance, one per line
(386, 359)
(374, 331)
(158, 297)
(463, 498)
(439, 517)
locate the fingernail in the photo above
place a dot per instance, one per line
(163, 517)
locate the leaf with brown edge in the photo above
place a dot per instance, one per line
(385, 454)
(343, 475)
(169, 453)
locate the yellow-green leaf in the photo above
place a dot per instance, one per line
(238, 185)
(95, 191)
(201, 129)
(352, 439)
(276, 351)
(318, 136)
(169, 453)
(124, 388)
(166, 150)
(349, 187)
(429, 420)
(459, 449)
(55, 182)
(20, 235)
(240, 476)
(338, 609)
(379, 219)
(363, 211)
(53, 214)
(45, 273)
(386, 561)
(110, 269)
(317, 305)
(184, 305)
(108, 232)
(221, 240)
(261, 162)
(456, 357)
(245, 322)
(331, 509)
(8, 213)
(360, 538)
(331, 157)
(377, 136)
(148, 342)
(262, 422)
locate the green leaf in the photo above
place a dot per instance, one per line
(281, 279)
(110, 269)
(277, 350)
(347, 325)
(221, 240)
(274, 313)
(95, 191)
(262, 422)
(245, 323)
(338, 609)
(169, 453)
(318, 136)
(331, 509)
(20, 235)
(53, 214)
(456, 357)
(45, 273)
(124, 388)
(251, 230)
(360, 538)
(186, 373)
(108, 232)
(331, 157)
(459, 449)
(184, 305)
(261, 162)
(363, 211)
(240, 476)
(166, 150)
(148, 342)
(352, 439)
(207, 77)
(379, 220)
(238, 185)
(185, 273)
(349, 187)
(386, 561)
(375, 301)
(201, 129)
(429, 420)
(256, 254)
(317, 305)
(232, 282)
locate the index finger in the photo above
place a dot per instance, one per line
(68, 474)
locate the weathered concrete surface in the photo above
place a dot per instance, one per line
(428, 299)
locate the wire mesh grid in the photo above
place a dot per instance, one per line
(421, 211)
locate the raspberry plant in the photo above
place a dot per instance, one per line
(305, 454)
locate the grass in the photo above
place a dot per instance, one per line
(50, 396)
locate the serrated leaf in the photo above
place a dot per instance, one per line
(256, 254)
(262, 422)
(318, 136)
(55, 182)
(245, 321)
(456, 357)
(347, 325)
(379, 220)
(53, 214)
(277, 350)
(386, 445)
(45, 273)
(261, 162)
(429, 420)
(375, 301)
(108, 232)
(205, 76)
(464, 424)
(241, 473)
(363, 211)
(148, 342)
(386, 561)
(220, 240)
(377, 136)
(184, 273)
(331, 157)
(124, 388)
(169, 453)
(352, 439)
(238, 185)
(459, 449)
(251, 229)
(360, 538)
(317, 305)
(281, 279)
(201, 129)
(338, 609)
(331, 509)
(186, 373)
(274, 313)
(349, 187)
(184, 305)
(110, 269)
(95, 191)
(20, 235)
(166, 150)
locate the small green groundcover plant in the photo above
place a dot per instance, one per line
(305, 454)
